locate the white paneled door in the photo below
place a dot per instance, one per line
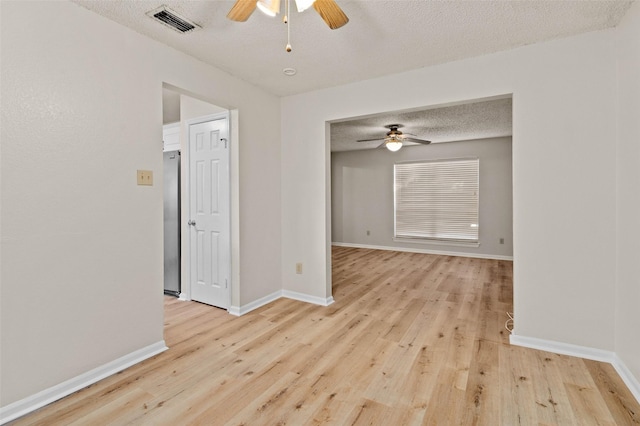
(209, 212)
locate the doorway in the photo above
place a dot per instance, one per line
(202, 141)
(362, 171)
(361, 175)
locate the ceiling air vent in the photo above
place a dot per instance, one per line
(172, 20)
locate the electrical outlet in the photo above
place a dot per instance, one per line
(368, 232)
(501, 240)
(299, 268)
(145, 177)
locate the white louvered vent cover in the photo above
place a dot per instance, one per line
(171, 19)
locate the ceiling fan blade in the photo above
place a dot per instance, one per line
(241, 11)
(330, 13)
(381, 145)
(369, 140)
(422, 141)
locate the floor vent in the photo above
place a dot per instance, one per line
(172, 20)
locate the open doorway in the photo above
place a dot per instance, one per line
(364, 209)
(196, 148)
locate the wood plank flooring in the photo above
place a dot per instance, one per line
(412, 339)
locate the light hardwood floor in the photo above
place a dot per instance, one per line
(411, 339)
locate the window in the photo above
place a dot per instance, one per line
(437, 200)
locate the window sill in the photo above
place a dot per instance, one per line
(435, 242)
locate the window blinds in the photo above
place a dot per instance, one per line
(437, 200)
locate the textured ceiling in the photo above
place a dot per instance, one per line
(381, 38)
(477, 120)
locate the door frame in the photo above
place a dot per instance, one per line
(186, 201)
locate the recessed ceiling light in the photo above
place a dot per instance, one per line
(289, 71)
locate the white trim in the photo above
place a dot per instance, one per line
(426, 251)
(234, 206)
(241, 310)
(206, 118)
(307, 298)
(47, 396)
(435, 241)
(582, 352)
(627, 377)
(562, 348)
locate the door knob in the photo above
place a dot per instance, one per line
(191, 223)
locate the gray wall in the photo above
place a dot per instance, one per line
(362, 195)
(628, 200)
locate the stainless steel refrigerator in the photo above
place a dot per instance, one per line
(172, 222)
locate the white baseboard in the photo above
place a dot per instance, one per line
(562, 348)
(47, 396)
(582, 352)
(307, 298)
(627, 377)
(241, 310)
(426, 251)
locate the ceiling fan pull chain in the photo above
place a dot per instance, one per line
(288, 22)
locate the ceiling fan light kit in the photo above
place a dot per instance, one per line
(393, 144)
(328, 10)
(303, 5)
(394, 138)
(272, 7)
(269, 7)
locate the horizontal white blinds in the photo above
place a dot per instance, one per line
(437, 200)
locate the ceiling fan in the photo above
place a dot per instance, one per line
(394, 138)
(328, 10)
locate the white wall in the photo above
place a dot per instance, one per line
(628, 147)
(194, 108)
(81, 279)
(564, 174)
(362, 195)
(170, 106)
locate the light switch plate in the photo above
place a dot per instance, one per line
(145, 177)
